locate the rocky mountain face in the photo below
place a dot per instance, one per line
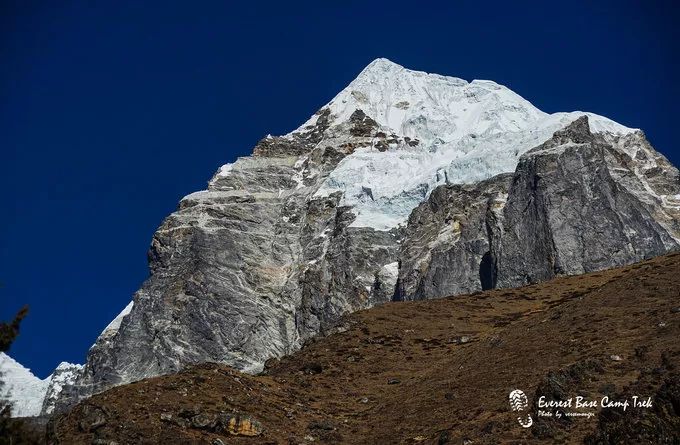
(446, 249)
(587, 206)
(401, 188)
(578, 203)
(60, 383)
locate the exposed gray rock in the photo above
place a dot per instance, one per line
(250, 268)
(448, 239)
(578, 203)
(60, 385)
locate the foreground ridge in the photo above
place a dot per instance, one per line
(410, 373)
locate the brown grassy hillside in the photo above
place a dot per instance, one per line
(433, 372)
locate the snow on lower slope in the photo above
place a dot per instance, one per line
(25, 392)
(30, 395)
(467, 132)
(18, 386)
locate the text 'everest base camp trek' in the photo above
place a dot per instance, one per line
(405, 186)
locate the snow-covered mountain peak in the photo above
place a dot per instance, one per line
(65, 366)
(465, 132)
(430, 107)
(381, 65)
(63, 376)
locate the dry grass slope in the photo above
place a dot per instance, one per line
(432, 372)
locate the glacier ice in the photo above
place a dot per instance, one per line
(466, 132)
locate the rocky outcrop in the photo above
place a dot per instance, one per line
(578, 203)
(60, 383)
(447, 243)
(581, 218)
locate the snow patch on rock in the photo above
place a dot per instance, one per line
(64, 376)
(112, 328)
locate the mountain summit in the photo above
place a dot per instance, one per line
(432, 107)
(456, 132)
(405, 186)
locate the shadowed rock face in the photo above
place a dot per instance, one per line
(578, 203)
(448, 240)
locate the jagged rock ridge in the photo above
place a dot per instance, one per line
(315, 224)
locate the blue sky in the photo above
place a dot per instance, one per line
(110, 112)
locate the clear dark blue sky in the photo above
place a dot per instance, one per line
(110, 112)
